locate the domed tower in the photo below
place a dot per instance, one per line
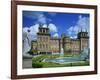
(84, 39)
(43, 30)
(43, 39)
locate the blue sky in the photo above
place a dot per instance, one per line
(58, 23)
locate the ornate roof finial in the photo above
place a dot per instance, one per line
(47, 25)
(81, 29)
(86, 30)
(40, 25)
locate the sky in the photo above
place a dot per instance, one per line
(58, 23)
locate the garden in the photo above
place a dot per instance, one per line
(40, 61)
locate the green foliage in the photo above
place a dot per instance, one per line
(37, 62)
(34, 51)
(37, 65)
(37, 59)
(81, 63)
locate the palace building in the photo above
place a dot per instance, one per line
(45, 44)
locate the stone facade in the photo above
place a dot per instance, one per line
(45, 44)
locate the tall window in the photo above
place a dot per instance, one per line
(40, 46)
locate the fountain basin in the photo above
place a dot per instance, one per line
(64, 60)
(83, 56)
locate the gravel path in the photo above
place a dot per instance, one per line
(27, 63)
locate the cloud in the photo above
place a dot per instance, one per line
(73, 37)
(38, 16)
(52, 14)
(82, 23)
(32, 14)
(73, 30)
(33, 31)
(56, 35)
(45, 26)
(41, 19)
(52, 27)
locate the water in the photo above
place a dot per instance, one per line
(62, 52)
(61, 55)
(64, 60)
(84, 55)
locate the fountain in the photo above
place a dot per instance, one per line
(62, 52)
(61, 56)
(63, 60)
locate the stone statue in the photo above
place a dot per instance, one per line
(26, 43)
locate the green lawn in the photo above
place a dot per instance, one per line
(37, 62)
